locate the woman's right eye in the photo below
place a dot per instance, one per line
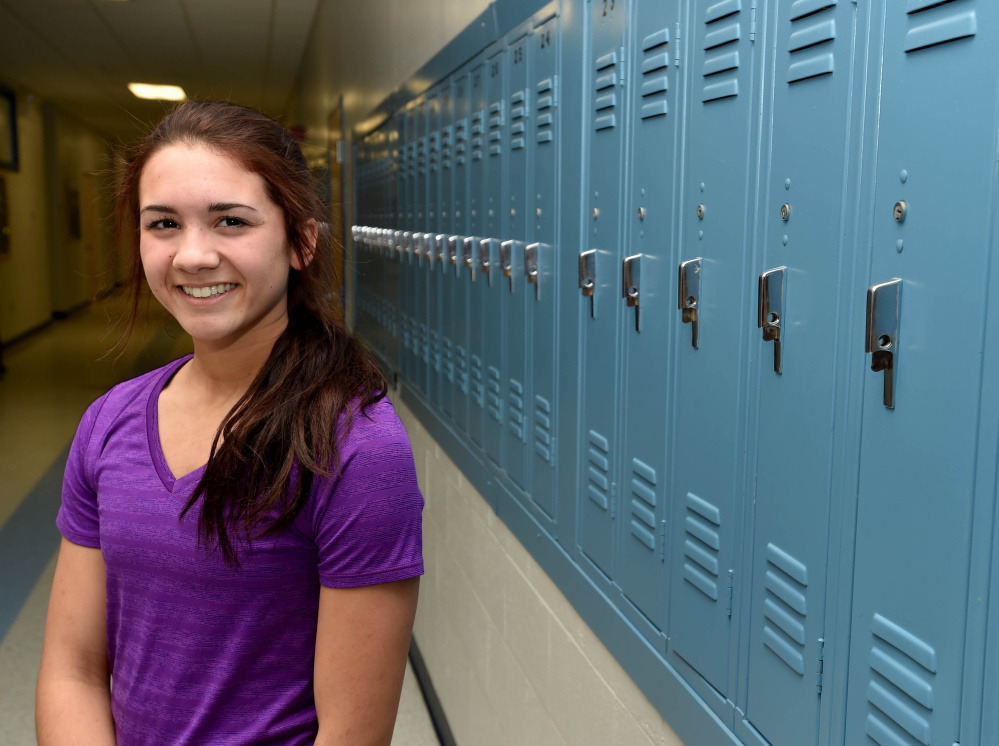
(162, 223)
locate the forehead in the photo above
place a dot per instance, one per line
(195, 171)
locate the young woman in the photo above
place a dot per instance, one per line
(241, 528)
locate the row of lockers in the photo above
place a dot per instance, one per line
(705, 285)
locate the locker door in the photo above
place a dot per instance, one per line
(459, 226)
(600, 311)
(804, 211)
(419, 225)
(710, 394)
(444, 268)
(513, 210)
(544, 261)
(433, 349)
(647, 326)
(494, 320)
(404, 223)
(933, 217)
(390, 289)
(476, 225)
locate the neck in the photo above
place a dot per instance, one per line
(226, 368)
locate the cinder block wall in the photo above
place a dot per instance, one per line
(511, 660)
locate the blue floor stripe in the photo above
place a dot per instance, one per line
(28, 540)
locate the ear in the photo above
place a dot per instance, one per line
(310, 234)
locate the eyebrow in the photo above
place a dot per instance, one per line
(214, 207)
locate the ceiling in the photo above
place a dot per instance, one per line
(81, 54)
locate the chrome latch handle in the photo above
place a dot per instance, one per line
(440, 248)
(467, 250)
(531, 268)
(883, 307)
(631, 289)
(689, 295)
(453, 242)
(588, 277)
(771, 311)
(506, 261)
(486, 258)
(397, 243)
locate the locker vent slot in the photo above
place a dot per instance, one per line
(516, 408)
(478, 390)
(643, 503)
(813, 29)
(939, 27)
(435, 350)
(785, 608)
(543, 428)
(449, 359)
(721, 54)
(434, 151)
(478, 124)
(901, 688)
(517, 112)
(701, 545)
(494, 394)
(463, 369)
(496, 128)
(655, 82)
(598, 470)
(605, 102)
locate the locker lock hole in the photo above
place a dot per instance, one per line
(785, 211)
(884, 341)
(773, 318)
(691, 301)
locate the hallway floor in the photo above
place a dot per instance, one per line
(52, 376)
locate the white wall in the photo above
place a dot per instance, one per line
(25, 299)
(512, 661)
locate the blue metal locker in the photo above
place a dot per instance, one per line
(494, 322)
(714, 286)
(429, 248)
(541, 263)
(404, 192)
(476, 225)
(648, 299)
(461, 280)
(807, 140)
(510, 278)
(444, 267)
(933, 199)
(419, 227)
(600, 281)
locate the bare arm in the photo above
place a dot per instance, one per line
(361, 646)
(73, 698)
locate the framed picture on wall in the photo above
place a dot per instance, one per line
(8, 129)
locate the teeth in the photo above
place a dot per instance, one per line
(207, 292)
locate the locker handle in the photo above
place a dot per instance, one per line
(486, 258)
(467, 249)
(632, 286)
(440, 242)
(690, 295)
(531, 268)
(506, 261)
(418, 247)
(883, 306)
(771, 311)
(452, 251)
(407, 244)
(397, 239)
(588, 277)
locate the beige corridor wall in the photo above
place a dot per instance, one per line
(25, 299)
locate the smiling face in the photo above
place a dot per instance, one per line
(214, 247)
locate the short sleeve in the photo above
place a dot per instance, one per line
(368, 522)
(78, 519)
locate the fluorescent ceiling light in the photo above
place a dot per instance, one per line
(158, 92)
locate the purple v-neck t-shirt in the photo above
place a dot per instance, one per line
(204, 654)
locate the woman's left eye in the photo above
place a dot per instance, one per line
(231, 222)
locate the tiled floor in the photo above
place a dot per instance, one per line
(51, 378)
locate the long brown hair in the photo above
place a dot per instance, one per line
(283, 432)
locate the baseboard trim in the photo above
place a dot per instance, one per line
(437, 716)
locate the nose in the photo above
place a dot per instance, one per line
(196, 251)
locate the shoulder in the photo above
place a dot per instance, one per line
(377, 421)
